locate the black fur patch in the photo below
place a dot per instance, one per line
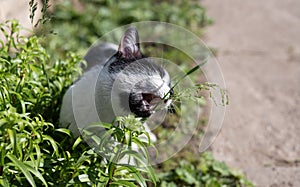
(119, 63)
(137, 106)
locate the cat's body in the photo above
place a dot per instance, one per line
(119, 81)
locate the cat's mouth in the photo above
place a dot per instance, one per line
(145, 104)
(150, 100)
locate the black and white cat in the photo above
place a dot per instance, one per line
(119, 81)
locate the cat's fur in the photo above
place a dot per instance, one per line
(119, 81)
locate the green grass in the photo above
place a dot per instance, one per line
(102, 16)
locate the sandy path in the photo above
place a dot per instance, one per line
(259, 52)
(19, 10)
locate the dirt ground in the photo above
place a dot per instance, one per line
(258, 45)
(18, 9)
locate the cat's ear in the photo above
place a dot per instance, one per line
(129, 45)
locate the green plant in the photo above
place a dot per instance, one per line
(125, 164)
(30, 81)
(31, 89)
(33, 149)
(33, 5)
(208, 172)
(81, 24)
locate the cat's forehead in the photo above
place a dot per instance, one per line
(145, 66)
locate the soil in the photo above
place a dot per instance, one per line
(258, 46)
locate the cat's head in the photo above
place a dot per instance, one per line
(141, 83)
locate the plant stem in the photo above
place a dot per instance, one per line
(116, 161)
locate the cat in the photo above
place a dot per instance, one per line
(119, 80)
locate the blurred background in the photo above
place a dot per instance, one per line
(258, 48)
(257, 44)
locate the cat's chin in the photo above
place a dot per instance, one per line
(143, 110)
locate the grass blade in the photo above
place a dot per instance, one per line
(13, 139)
(36, 173)
(53, 143)
(23, 168)
(123, 183)
(64, 131)
(77, 141)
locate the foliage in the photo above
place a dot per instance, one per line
(30, 81)
(33, 4)
(34, 151)
(125, 164)
(31, 88)
(208, 172)
(90, 19)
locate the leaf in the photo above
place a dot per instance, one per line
(141, 146)
(65, 131)
(77, 141)
(138, 177)
(98, 125)
(23, 168)
(83, 178)
(186, 176)
(193, 70)
(82, 159)
(135, 155)
(2, 154)
(221, 168)
(152, 174)
(4, 182)
(36, 173)
(105, 138)
(13, 139)
(38, 154)
(143, 161)
(53, 143)
(134, 172)
(128, 138)
(111, 169)
(123, 183)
